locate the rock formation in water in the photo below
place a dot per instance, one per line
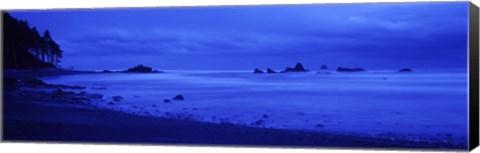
(33, 82)
(323, 67)
(258, 71)
(270, 71)
(178, 97)
(298, 68)
(140, 69)
(405, 70)
(117, 98)
(343, 69)
(324, 72)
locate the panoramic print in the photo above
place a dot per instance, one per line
(385, 75)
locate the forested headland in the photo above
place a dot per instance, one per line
(26, 48)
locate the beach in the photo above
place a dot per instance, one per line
(52, 119)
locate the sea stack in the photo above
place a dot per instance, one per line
(405, 70)
(178, 97)
(140, 69)
(270, 71)
(258, 71)
(343, 69)
(323, 67)
(298, 68)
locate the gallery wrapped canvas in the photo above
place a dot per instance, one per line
(364, 75)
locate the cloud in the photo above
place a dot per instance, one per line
(348, 33)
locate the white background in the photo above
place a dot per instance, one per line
(89, 148)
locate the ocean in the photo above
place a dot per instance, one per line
(415, 106)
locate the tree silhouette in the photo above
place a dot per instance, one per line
(46, 45)
(24, 48)
(35, 40)
(55, 52)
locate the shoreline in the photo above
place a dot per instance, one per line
(55, 120)
(38, 73)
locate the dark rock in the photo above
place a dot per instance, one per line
(59, 92)
(96, 96)
(140, 69)
(343, 69)
(259, 122)
(107, 71)
(64, 86)
(270, 71)
(40, 83)
(265, 116)
(298, 68)
(111, 103)
(222, 122)
(323, 67)
(117, 98)
(258, 71)
(179, 97)
(61, 95)
(225, 121)
(319, 125)
(358, 69)
(324, 72)
(405, 70)
(166, 100)
(33, 82)
(80, 99)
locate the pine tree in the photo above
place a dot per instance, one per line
(25, 48)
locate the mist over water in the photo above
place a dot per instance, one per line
(420, 104)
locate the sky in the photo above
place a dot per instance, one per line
(422, 36)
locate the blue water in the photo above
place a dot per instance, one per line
(414, 105)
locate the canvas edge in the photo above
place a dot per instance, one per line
(1, 74)
(473, 76)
